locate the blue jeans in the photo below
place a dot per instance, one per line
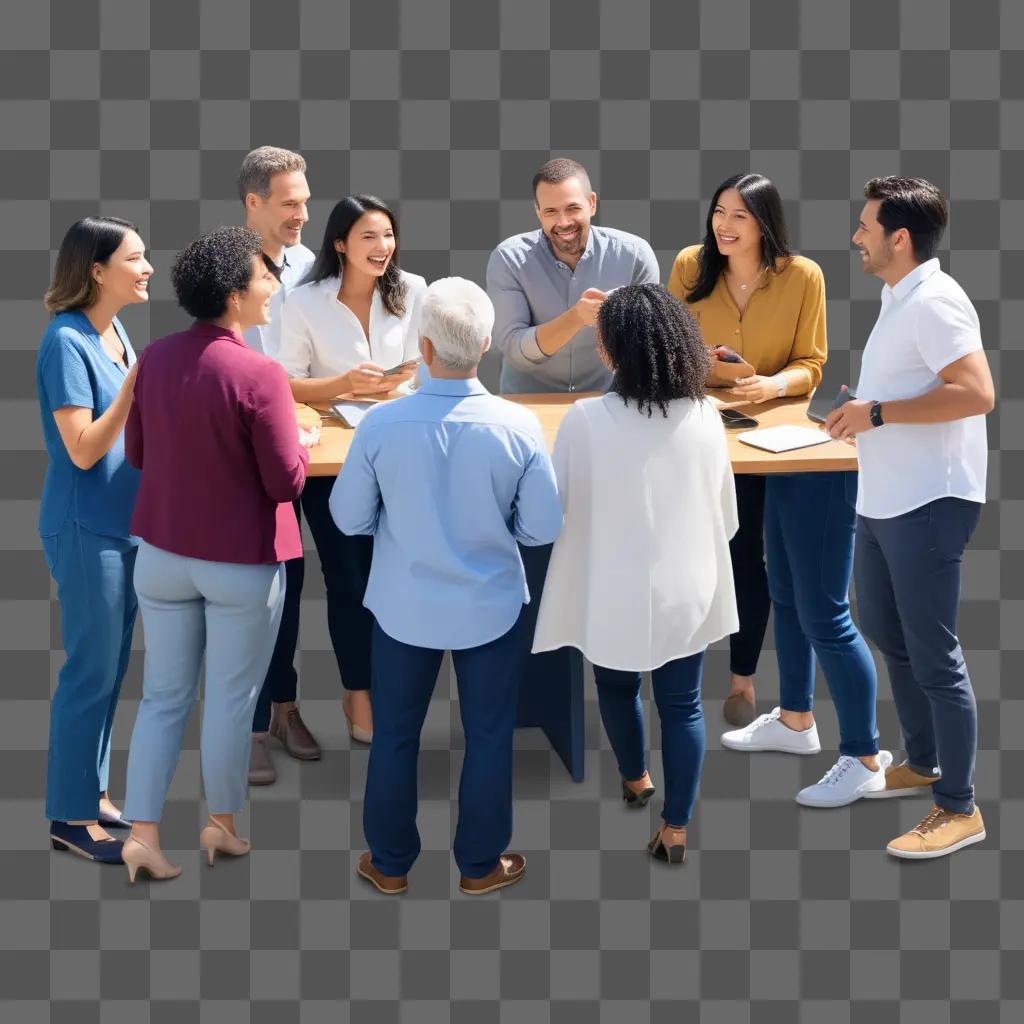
(191, 607)
(403, 680)
(676, 686)
(908, 587)
(809, 532)
(97, 607)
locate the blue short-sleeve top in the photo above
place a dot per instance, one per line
(73, 368)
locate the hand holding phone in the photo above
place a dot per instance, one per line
(407, 367)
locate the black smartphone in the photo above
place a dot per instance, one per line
(735, 420)
(409, 364)
(822, 403)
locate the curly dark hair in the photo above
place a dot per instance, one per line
(207, 270)
(654, 346)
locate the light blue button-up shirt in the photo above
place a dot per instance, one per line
(446, 481)
(529, 285)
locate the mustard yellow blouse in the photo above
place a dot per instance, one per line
(782, 329)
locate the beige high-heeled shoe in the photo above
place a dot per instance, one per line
(137, 854)
(357, 732)
(215, 838)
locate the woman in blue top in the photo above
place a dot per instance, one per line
(85, 373)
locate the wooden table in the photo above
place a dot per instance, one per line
(325, 459)
(551, 690)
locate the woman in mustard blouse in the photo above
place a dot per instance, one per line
(753, 295)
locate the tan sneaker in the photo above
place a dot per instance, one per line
(939, 833)
(902, 780)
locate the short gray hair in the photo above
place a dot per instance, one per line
(261, 165)
(458, 318)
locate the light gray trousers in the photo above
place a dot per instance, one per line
(188, 606)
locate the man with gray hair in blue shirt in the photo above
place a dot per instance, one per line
(447, 481)
(547, 286)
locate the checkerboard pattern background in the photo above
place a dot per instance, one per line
(447, 107)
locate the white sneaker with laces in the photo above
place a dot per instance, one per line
(847, 780)
(769, 732)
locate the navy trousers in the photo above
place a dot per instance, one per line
(908, 593)
(403, 681)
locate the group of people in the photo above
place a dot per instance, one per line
(177, 482)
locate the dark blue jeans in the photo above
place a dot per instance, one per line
(403, 680)
(282, 681)
(676, 688)
(908, 592)
(809, 531)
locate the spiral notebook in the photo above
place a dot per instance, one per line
(783, 439)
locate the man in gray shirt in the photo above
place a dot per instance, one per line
(548, 285)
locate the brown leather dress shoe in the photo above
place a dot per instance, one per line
(388, 884)
(509, 870)
(738, 711)
(286, 724)
(261, 765)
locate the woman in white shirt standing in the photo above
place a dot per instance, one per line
(356, 316)
(640, 578)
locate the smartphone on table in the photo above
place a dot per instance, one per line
(735, 420)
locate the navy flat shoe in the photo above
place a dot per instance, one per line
(76, 839)
(114, 821)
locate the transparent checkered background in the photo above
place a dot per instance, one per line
(447, 108)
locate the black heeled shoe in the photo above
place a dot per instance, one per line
(674, 852)
(633, 798)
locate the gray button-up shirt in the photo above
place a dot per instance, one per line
(529, 285)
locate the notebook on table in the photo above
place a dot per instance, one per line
(783, 439)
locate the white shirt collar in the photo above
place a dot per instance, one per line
(917, 276)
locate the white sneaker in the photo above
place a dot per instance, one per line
(769, 733)
(847, 780)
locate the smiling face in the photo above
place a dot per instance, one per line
(735, 230)
(253, 304)
(876, 248)
(369, 245)
(564, 210)
(124, 278)
(280, 216)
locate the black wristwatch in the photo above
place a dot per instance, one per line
(875, 414)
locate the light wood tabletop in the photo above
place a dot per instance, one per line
(325, 458)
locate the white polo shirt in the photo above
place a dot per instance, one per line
(926, 322)
(322, 337)
(266, 338)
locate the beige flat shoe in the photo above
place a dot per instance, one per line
(357, 732)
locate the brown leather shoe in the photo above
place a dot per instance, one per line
(286, 725)
(902, 780)
(738, 711)
(390, 885)
(261, 765)
(509, 870)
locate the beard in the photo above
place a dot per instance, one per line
(571, 246)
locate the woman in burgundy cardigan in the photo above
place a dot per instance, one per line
(213, 431)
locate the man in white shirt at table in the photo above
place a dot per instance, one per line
(272, 186)
(919, 420)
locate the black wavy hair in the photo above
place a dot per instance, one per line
(207, 270)
(654, 346)
(329, 263)
(763, 201)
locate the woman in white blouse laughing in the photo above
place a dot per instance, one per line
(640, 578)
(356, 316)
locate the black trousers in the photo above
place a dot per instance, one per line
(752, 600)
(345, 563)
(282, 681)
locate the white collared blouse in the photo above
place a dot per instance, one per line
(322, 337)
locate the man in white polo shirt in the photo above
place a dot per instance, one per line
(272, 186)
(919, 420)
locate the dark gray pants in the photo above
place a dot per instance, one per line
(908, 594)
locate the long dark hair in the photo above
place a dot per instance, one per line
(763, 201)
(329, 263)
(654, 346)
(88, 241)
